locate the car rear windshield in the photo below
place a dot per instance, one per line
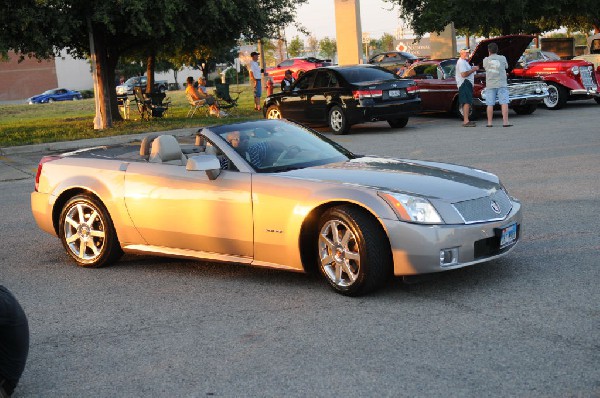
(357, 75)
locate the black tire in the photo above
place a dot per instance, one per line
(337, 120)
(91, 244)
(50, 100)
(398, 123)
(525, 109)
(458, 112)
(353, 254)
(273, 112)
(557, 96)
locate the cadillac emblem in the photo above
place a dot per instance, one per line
(495, 207)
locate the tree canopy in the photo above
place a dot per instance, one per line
(134, 28)
(495, 17)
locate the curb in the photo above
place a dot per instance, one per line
(65, 146)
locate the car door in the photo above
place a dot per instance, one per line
(324, 87)
(435, 88)
(180, 209)
(293, 104)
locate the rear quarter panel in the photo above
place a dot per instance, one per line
(62, 179)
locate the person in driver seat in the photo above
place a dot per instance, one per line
(258, 153)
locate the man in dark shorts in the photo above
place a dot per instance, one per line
(465, 78)
(14, 342)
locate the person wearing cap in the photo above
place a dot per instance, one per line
(465, 79)
(255, 78)
(495, 66)
(288, 80)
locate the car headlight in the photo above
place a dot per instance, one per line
(575, 70)
(411, 208)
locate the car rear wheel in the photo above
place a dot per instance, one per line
(557, 96)
(398, 123)
(50, 100)
(458, 111)
(353, 255)
(525, 109)
(273, 112)
(75, 98)
(338, 122)
(87, 232)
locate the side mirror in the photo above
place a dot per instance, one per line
(207, 163)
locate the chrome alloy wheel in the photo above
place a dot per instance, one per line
(338, 253)
(552, 99)
(273, 113)
(84, 231)
(336, 120)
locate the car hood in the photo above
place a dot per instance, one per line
(432, 180)
(512, 47)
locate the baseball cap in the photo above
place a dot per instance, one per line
(465, 49)
(253, 53)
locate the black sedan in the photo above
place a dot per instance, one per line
(345, 95)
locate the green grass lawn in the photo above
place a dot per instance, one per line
(73, 120)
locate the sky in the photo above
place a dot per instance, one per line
(318, 16)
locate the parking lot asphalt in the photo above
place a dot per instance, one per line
(525, 325)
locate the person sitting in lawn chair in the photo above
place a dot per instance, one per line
(199, 97)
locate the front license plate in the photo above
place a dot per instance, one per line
(508, 236)
(397, 93)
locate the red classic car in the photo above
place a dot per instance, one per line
(437, 84)
(298, 66)
(567, 79)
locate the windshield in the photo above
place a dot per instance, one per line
(48, 92)
(366, 74)
(277, 145)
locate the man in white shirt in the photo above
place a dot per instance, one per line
(255, 79)
(465, 78)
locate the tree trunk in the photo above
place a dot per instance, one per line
(103, 119)
(150, 74)
(112, 60)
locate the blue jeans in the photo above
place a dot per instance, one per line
(491, 94)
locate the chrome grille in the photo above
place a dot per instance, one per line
(482, 209)
(519, 90)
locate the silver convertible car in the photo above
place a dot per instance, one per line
(273, 193)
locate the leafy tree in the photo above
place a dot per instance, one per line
(387, 42)
(107, 30)
(493, 17)
(296, 47)
(328, 47)
(313, 45)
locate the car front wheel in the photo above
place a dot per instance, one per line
(338, 122)
(50, 100)
(87, 232)
(353, 255)
(557, 96)
(398, 123)
(273, 112)
(525, 109)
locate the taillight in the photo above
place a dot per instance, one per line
(39, 169)
(361, 94)
(412, 89)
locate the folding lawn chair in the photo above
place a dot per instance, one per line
(195, 105)
(226, 101)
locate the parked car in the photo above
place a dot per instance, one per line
(343, 96)
(56, 94)
(567, 80)
(437, 83)
(393, 60)
(126, 88)
(308, 203)
(298, 66)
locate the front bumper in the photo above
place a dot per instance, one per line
(416, 247)
(589, 92)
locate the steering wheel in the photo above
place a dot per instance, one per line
(289, 152)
